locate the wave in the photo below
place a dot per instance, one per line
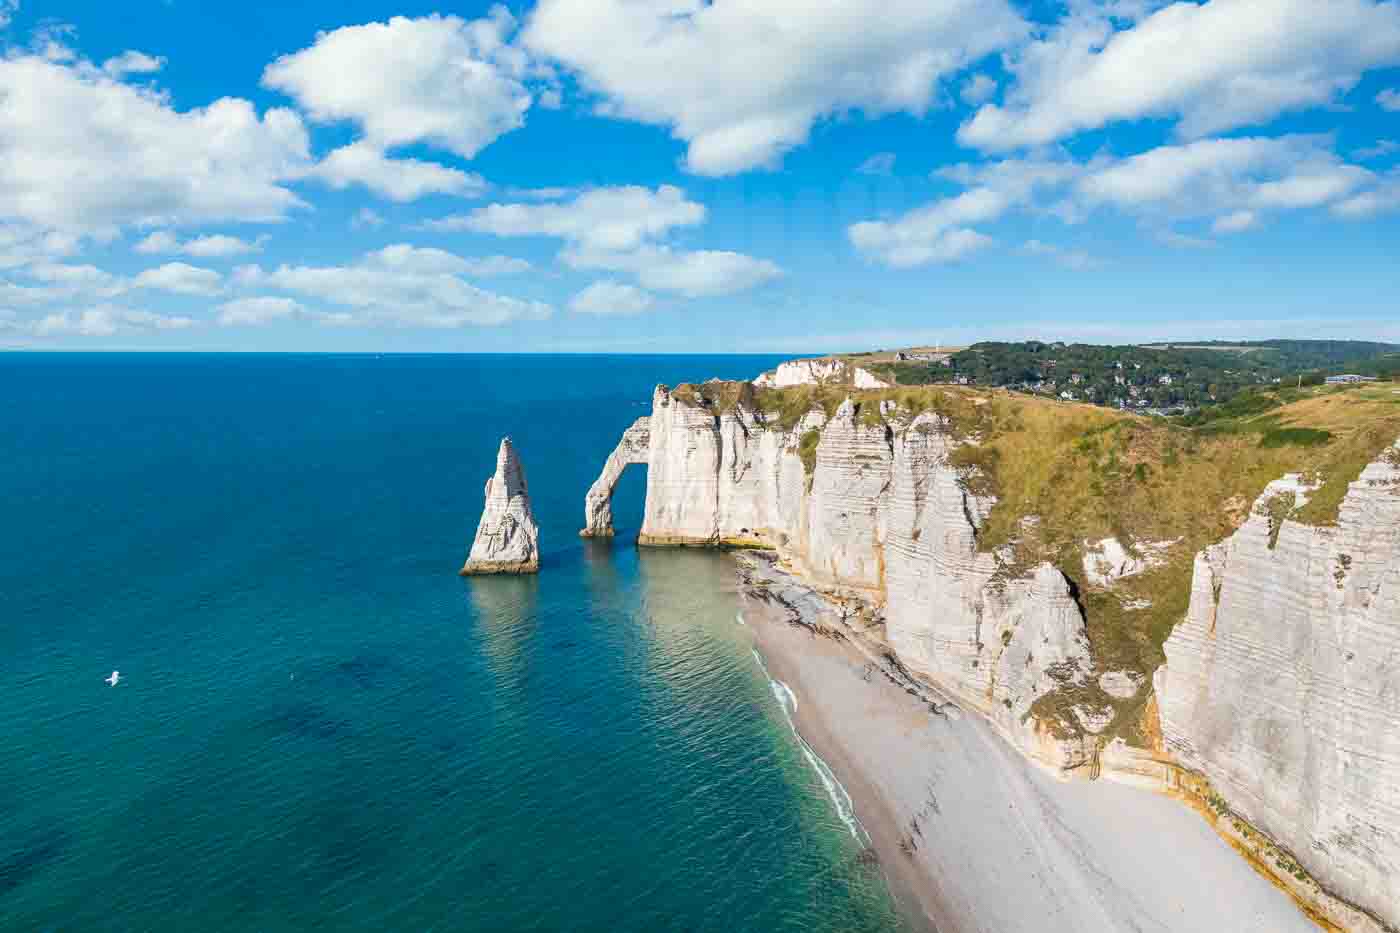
(840, 797)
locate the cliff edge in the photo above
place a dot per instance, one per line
(1208, 612)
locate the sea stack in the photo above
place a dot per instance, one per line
(507, 540)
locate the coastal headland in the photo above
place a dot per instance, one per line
(1100, 603)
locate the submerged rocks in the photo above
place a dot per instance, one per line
(507, 540)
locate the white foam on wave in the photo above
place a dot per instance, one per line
(740, 619)
(840, 797)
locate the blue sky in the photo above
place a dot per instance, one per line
(659, 175)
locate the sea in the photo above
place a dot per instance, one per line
(318, 725)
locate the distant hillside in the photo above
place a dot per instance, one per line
(1156, 377)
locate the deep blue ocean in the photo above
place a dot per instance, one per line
(319, 725)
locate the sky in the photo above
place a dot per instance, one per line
(672, 176)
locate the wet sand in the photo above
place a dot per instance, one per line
(972, 837)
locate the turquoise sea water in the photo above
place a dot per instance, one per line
(319, 725)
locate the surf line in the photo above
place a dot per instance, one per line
(835, 790)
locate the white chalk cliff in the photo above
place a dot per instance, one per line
(823, 371)
(1282, 685)
(507, 539)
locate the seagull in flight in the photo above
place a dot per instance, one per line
(114, 679)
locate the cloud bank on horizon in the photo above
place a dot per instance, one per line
(723, 175)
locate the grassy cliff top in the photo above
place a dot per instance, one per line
(1164, 488)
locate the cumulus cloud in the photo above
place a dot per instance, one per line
(1075, 259)
(1210, 66)
(624, 229)
(361, 163)
(742, 81)
(83, 153)
(366, 217)
(1389, 99)
(608, 297)
(451, 83)
(620, 218)
(978, 89)
(401, 284)
(256, 311)
(1378, 150)
(103, 321)
(213, 246)
(1232, 183)
(881, 163)
(487, 267)
(1383, 198)
(132, 62)
(181, 279)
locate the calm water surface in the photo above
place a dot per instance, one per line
(319, 726)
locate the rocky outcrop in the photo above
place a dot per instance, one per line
(1282, 684)
(876, 510)
(824, 371)
(507, 539)
(1279, 702)
(634, 447)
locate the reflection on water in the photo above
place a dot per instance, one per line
(506, 615)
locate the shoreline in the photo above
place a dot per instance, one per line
(971, 836)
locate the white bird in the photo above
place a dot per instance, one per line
(112, 681)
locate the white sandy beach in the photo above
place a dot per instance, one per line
(975, 838)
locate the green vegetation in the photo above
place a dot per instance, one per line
(1164, 377)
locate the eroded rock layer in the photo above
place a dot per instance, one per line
(507, 539)
(1280, 699)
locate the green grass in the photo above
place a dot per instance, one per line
(1296, 437)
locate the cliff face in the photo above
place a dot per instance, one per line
(507, 539)
(1282, 682)
(1282, 685)
(826, 371)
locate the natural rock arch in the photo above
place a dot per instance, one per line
(597, 505)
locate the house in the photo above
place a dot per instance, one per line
(1119, 379)
(960, 380)
(1076, 378)
(1348, 379)
(1068, 396)
(1165, 379)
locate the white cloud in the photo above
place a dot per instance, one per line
(881, 163)
(403, 284)
(441, 80)
(1237, 222)
(622, 229)
(209, 247)
(608, 297)
(742, 81)
(396, 179)
(181, 279)
(8, 9)
(937, 232)
(1233, 183)
(83, 153)
(21, 245)
(1378, 150)
(1211, 66)
(620, 218)
(1381, 199)
(1218, 176)
(366, 217)
(703, 273)
(494, 266)
(978, 89)
(255, 311)
(132, 62)
(1389, 99)
(1075, 259)
(103, 321)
